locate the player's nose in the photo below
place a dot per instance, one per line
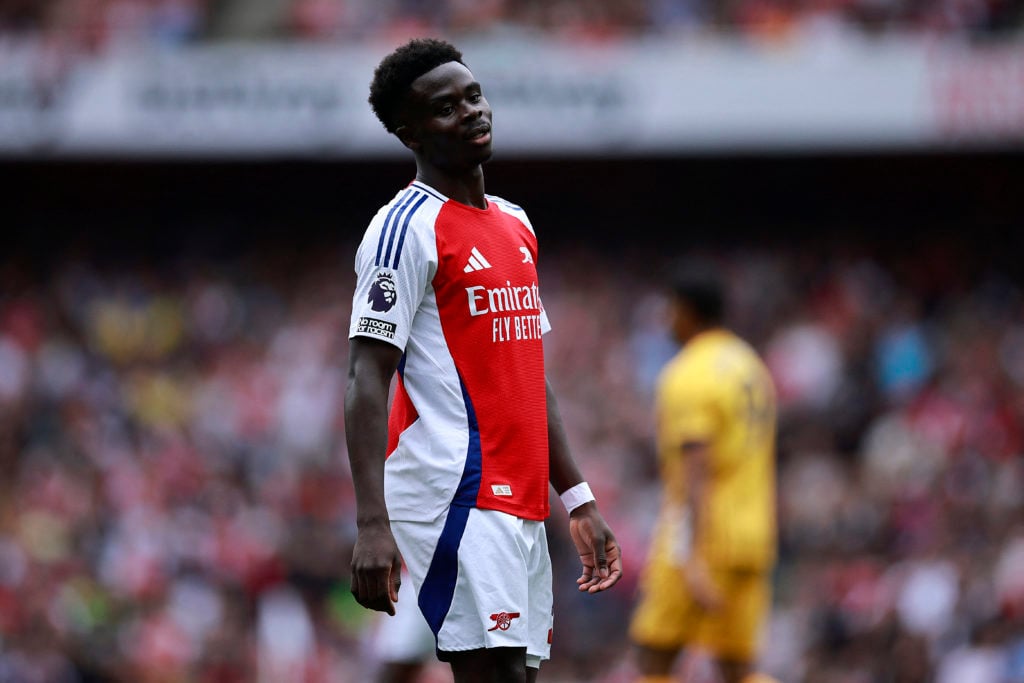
(473, 111)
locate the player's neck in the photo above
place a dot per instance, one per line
(465, 188)
(709, 330)
(700, 331)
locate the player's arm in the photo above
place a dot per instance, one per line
(376, 563)
(594, 540)
(697, 455)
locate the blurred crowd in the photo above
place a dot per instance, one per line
(175, 502)
(95, 24)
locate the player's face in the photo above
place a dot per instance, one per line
(682, 320)
(449, 121)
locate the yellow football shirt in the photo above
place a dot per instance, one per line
(716, 390)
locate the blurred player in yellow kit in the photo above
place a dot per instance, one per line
(707, 580)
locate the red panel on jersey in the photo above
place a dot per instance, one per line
(403, 413)
(487, 296)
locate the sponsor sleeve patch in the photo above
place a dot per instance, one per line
(380, 328)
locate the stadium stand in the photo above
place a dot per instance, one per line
(175, 502)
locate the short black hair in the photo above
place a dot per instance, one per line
(396, 73)
(699, 283)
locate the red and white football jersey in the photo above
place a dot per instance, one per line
(456, 289)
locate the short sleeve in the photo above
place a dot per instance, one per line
(689, 413)
(393, 271)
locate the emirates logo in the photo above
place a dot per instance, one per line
(503, 620)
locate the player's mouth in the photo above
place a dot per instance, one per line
(480, 134)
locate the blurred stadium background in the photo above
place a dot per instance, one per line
(184, 184)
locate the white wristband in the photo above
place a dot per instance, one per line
(579, 494)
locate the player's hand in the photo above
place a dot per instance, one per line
(597, 547)
(703, 590)
(376, 569)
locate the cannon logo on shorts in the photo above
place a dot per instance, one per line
(503, 620)
(383, 294)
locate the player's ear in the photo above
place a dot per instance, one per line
(407, 134)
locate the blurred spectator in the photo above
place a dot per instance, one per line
(175, 496)
(95, 24)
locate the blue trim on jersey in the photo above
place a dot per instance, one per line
(394, 226)
(405, 226)
(429, 190)
(469, 486)
(384, 230)
(438, 588)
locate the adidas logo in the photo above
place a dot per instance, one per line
(476, 261)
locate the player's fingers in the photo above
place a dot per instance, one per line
(587, 575)
(587, 583)
(369, 586)
(614, 569)
(357, 591)
(614, 574)
(366, 592)
(382, 592)
(396, 580)
(600, 557)
(601, 585)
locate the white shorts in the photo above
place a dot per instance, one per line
(483, 579)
